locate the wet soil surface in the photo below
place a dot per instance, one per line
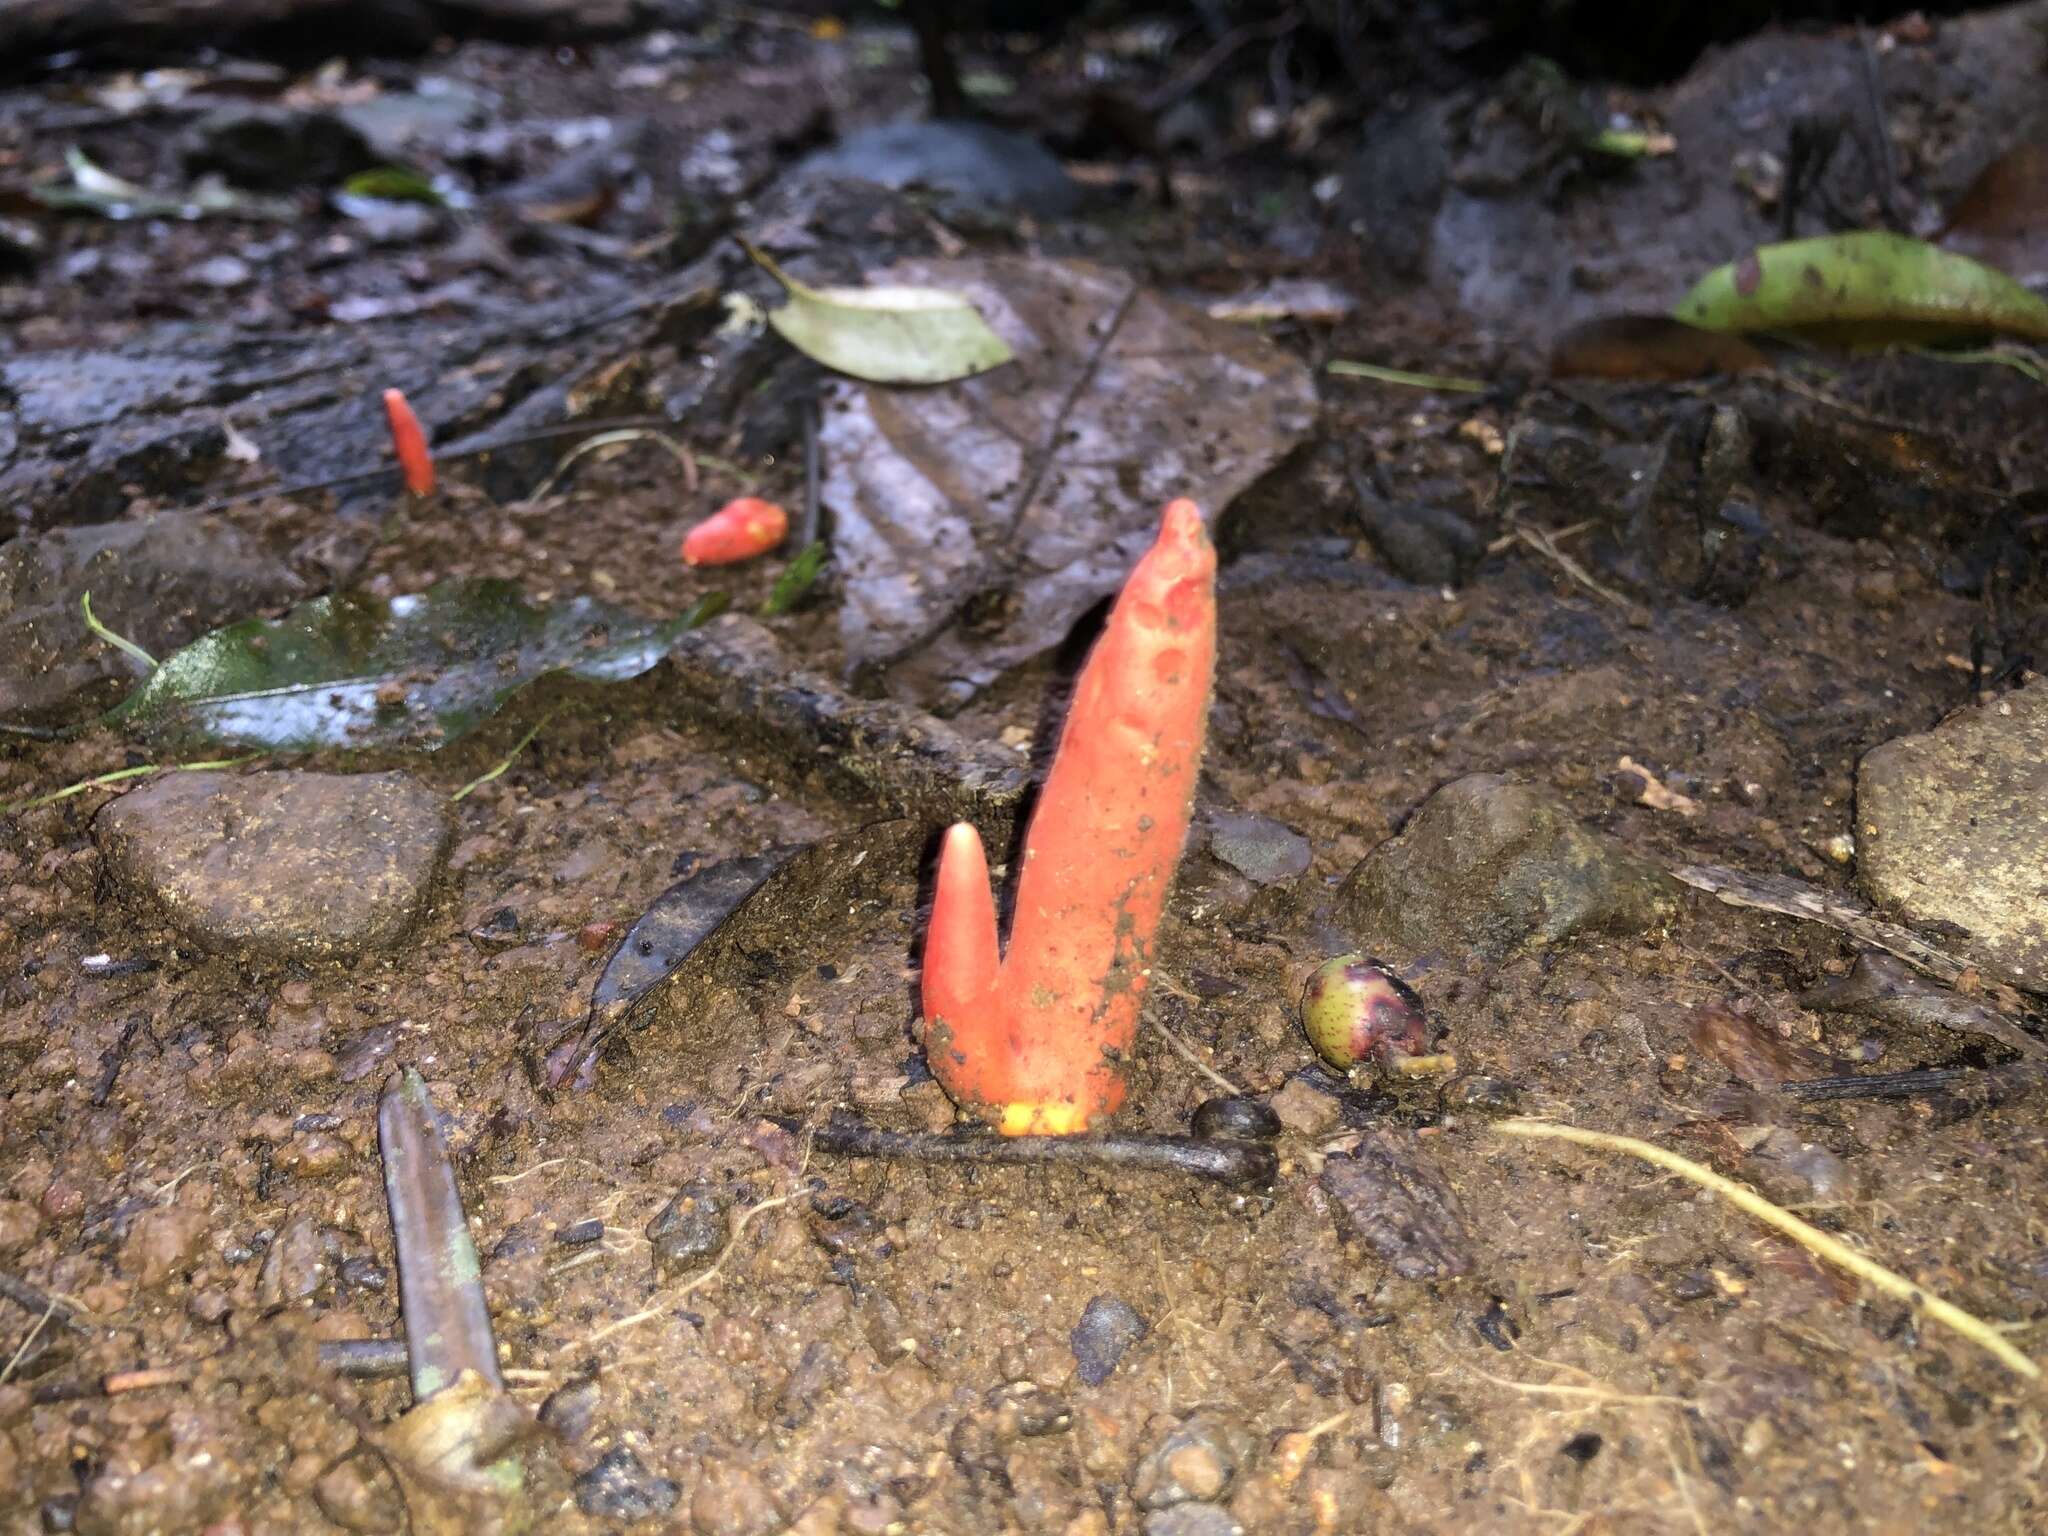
(1526, 1337)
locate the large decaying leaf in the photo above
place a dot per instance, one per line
(352, 670)
(975, 522)
(1867, 288)
(896, 333)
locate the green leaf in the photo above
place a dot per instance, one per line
(1864, 289)
(886, 335)
(417, 672)
(796, 579)
(394, 184)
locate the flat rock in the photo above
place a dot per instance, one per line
(1952, 828)
(1391, 1197)
(1493, 867)
(283, 864)
(973, 165)
(1258, 847)
(160, 581)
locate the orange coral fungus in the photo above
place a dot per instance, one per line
(1038, 1042)
(409, 441)
(741, 529)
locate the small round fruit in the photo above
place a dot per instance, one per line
(1357, 1010)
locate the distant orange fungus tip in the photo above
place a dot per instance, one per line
(1036, 1040)
(744, 527)
(409, 441)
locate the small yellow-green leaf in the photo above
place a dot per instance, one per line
(394, 184)
(886, 335)
(1868, 288)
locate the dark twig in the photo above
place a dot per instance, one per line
(1234, 1164)
(29, 1299)
(355, 1359)
(1886, 163)
(1218, 54)
(1875, 1085)
(112, 1061)
(1956, 1092)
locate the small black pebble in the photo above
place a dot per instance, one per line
(620, 1488)
(1581, 1448)
(1484, 1093)
(1697, 1285)
(364, 1273)
(1497, 1328)
(828, 972)
(571, 1408)
(1236, 1117)
(577, 1233)
(1109, 1325)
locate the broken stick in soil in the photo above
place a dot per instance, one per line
(1233, 1164)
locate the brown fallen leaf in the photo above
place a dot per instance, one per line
(975, 522)
(1648, 347)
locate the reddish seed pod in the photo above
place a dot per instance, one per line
(1357, 1010)
(741, 529)
(409, 442)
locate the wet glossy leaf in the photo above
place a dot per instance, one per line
(796, 579)
(894, 334)
(352, 670)
(747, 902)
(1868, 288)
(682, 917)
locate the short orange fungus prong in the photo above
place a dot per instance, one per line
(409, 442)
(741, 529)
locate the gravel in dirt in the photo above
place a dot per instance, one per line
(280, 864)
(690, 1230)
(1108, 1327)
(1953, 828)
(1197, 1461)
(1492, 866)
(621, 1489)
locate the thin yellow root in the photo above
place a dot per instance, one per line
(1978, 1332)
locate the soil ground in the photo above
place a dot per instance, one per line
(1625, 1355)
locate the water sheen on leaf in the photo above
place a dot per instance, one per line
(897, 334)
(1863, 289)
(353, 670)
